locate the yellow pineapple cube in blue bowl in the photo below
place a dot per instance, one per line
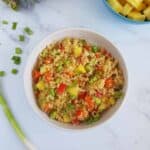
(135, 11)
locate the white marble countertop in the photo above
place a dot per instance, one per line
(129, 129)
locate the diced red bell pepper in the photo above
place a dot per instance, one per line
(75, 121)
(106, 53)
(82, 95)
(62, 87)
(99, 67)
(36, 75)
(99, 94)
(79, 112)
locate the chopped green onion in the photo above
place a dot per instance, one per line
(13, 122)
(14, 25)
(16, 60)
(88, 67)
(118, 94)
(70, 107)
(18, 50)
(52, 92)
(97, 100)
(92, 119)
(53, 114)
(5, 22)
(11, 118)
(93, 79)
(28, 31)
(59, 68)
(21, 38)
(95, 49)
(2, 73)
(14, 71)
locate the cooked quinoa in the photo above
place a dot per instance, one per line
(75, 82)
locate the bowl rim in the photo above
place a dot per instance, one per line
(41, 114)
(123, 17)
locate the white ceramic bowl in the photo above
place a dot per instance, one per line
(91, 37)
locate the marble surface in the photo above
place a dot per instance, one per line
(129, 129)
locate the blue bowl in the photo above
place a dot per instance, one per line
(123, 17)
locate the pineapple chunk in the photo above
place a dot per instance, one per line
(80, 69)
(40, 85)
(115, 4)
(147, 13)
(66, 118)
(77, 51)
(73, 90)
(141, 7)
(135, 3)
(135, 15)
(126, 9)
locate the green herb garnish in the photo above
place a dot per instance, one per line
(52, 92)
(14, 25)
(21, 38)
(16, 60)
(14, 71)
(18, 50)
(2, 73)
(5, 22)
(13, 122)
(95, 49)
(11, 118)
(28, 31)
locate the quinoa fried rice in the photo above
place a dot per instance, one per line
(75, 82)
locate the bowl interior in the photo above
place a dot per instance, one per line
(123, 17)
(91, 37)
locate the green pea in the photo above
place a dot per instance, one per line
(118, 94)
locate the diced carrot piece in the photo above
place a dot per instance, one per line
(109, 83)
(47, 107)
(48, 60)
(47, 76)
(90, 103)
(87, 47)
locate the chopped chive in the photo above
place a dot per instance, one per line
(28, 31)
(16, 60)
(5, 22)
(14, 71)
(18, 50)
(2, 73)
(95, 49)
(21, 38)
(14, 25)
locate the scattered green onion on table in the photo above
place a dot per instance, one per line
(15, 124)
